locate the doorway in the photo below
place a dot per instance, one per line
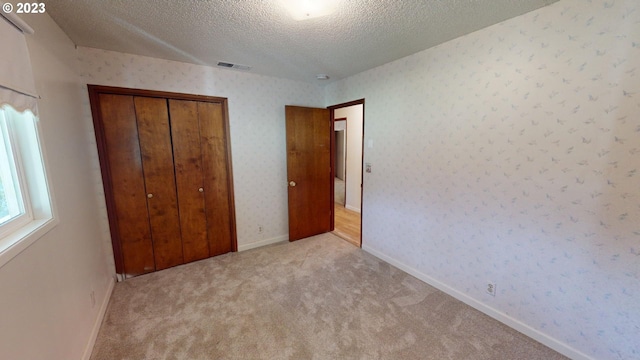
(347, 122)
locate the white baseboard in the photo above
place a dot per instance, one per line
(264, 242)
(96, 326)
(352, 208)
(545, 339)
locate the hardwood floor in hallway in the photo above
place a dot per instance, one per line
(347, 224)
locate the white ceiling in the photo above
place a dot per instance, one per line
(360, 35)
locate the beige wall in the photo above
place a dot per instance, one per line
(341, 147)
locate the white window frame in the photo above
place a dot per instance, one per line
(31, 177)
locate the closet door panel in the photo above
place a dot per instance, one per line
(187, 159)
(127, 183)
(216, 176)
(157, 164)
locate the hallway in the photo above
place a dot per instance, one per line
(347, 224)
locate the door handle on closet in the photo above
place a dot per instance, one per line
(201, 189)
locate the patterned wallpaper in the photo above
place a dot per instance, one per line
(256, 115)
(512, 155)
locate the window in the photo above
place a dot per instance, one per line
(25, 204)
(26, 211)
(15, 209)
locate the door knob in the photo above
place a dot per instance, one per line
(201, 189)
(149, 196)
(292, 183)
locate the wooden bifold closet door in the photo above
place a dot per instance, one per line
(166, 169)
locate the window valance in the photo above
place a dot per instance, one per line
(17, 87)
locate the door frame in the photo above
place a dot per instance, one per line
(94, 92)
(332, 109)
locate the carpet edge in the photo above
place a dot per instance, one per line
(517, 325)
(98, 322)
(262, 243)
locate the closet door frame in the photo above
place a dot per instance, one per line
(94, 92)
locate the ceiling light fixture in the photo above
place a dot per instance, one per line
(308, 9)
(322, 77)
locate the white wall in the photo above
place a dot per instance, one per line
(354, 154)
(341, 147)
(256, 116)
(513, 155)
(45, 304)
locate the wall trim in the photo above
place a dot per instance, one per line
(353, 208)
(515, 324)
(264, 242)
(98, 323)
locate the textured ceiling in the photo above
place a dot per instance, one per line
(360, 35)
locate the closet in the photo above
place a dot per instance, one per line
(166, 168)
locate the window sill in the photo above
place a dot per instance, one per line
(19, 240)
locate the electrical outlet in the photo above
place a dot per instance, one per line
(93, 299)
(260, 229)
(491, 288)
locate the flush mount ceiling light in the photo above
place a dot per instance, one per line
(308, 9)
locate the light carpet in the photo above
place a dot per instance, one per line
(318, 298)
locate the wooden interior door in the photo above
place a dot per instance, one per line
(168, 182)
(159, 179)
(131, 225)
(185, 131)
(308, 171)
(216, 171)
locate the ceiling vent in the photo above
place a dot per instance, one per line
(234, 66)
